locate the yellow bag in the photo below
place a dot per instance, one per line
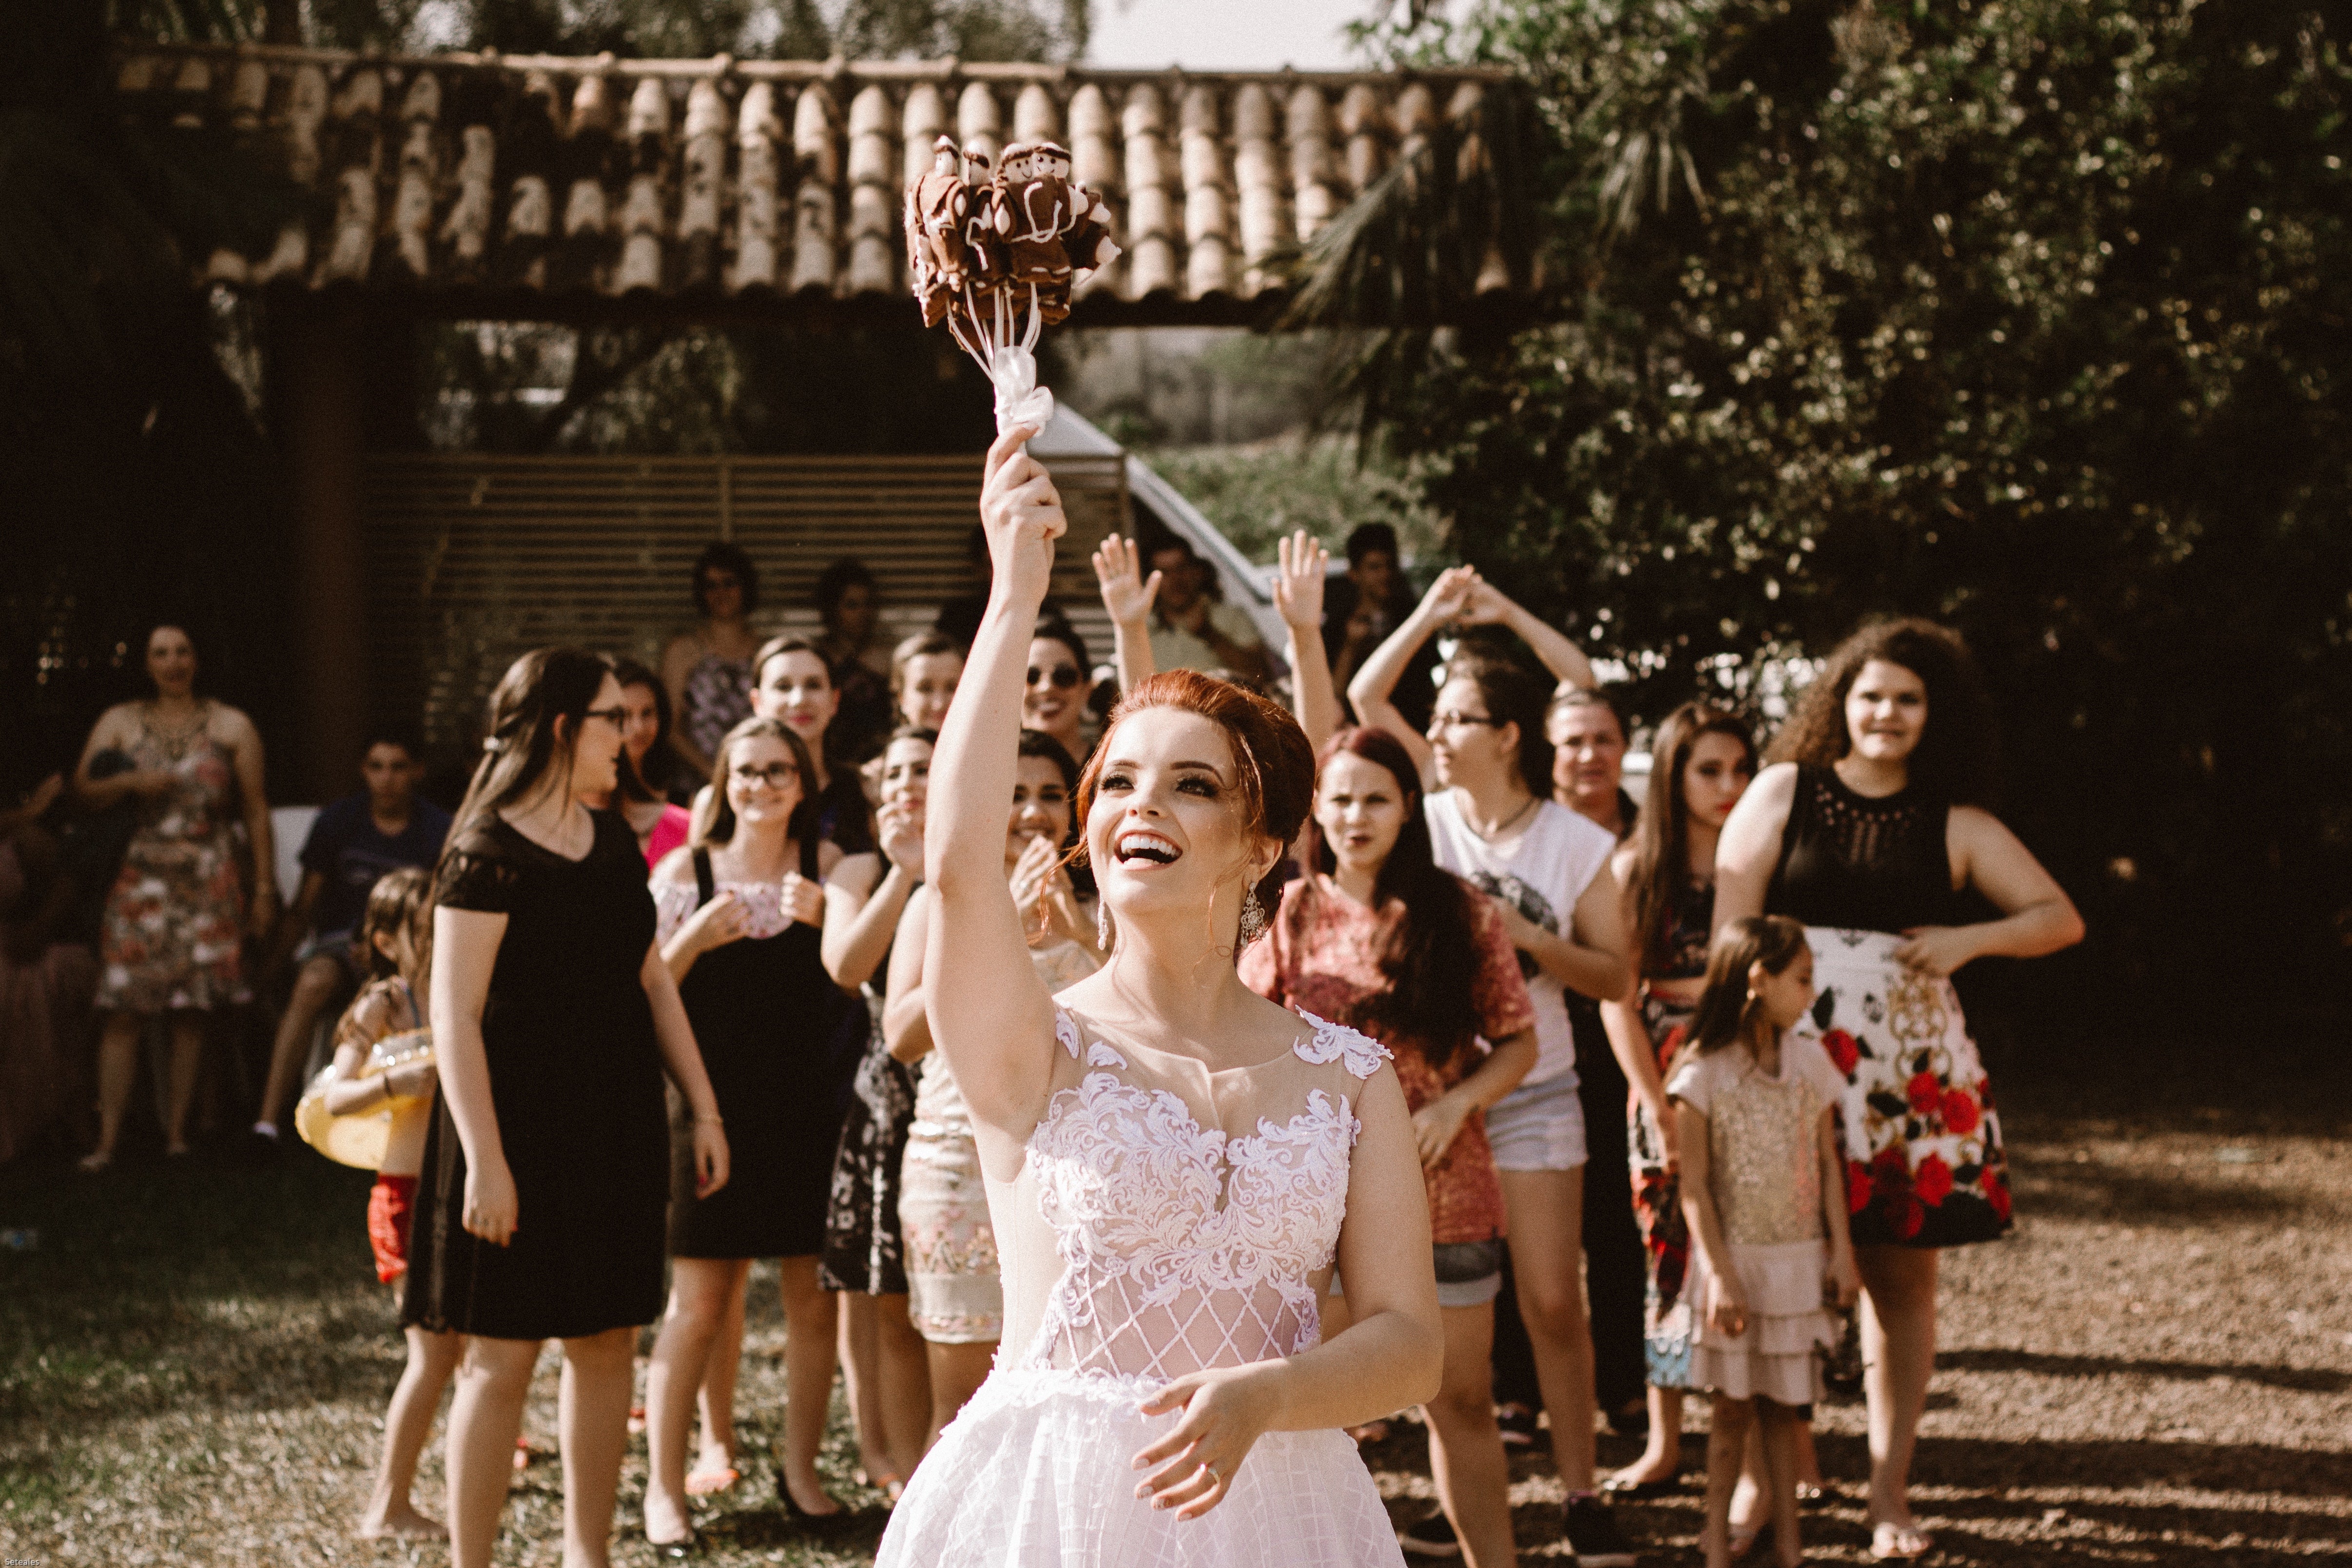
(360, 1138)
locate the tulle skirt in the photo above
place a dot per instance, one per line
(1035, 1473)
(1790, 1329)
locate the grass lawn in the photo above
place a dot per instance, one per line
(2156, 1369)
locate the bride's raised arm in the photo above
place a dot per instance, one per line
(990, 1014)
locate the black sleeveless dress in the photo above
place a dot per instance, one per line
(576, 1084)
(1925, 1164)
(769, 1018)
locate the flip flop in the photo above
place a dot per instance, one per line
(707, 1483)
(1893, 1542)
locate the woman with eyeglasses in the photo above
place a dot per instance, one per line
(706, 669)
(1486, 768)
(645, 765)
(744, 909)
(540, 1206)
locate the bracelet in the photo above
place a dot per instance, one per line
(712, 1120)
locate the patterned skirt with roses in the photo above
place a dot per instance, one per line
(1923, 1154)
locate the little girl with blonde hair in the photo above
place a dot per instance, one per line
(1764, 1189)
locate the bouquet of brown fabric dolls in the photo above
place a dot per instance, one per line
(993, 254)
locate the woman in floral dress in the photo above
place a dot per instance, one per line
(178, 916)
(1865, 827)
(1701, 763)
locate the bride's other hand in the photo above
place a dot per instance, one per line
(1226, 1410)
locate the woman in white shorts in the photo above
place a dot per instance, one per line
(1483, 763)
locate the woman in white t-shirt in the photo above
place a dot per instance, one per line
(1547, 869)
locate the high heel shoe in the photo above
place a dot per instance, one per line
(801, 1516)
(676, 1551)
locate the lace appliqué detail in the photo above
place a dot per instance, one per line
(1183, 1249)
(1100, 1055)
(483, 880)
(1335, 1043)
(764, 908)
(1065, 1029)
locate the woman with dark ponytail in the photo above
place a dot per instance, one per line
(1382, 938)
(540, 1210)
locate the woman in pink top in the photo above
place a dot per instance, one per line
(1378, 937)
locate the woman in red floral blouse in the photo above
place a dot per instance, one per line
(1378, 937)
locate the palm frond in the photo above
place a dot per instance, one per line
(1410, 251)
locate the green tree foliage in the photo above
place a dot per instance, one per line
(791, 29)
(2029, 316)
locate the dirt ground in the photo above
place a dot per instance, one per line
(2155, 1370)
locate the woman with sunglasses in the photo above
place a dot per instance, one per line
(1054, 695)
(955, 1291)
(743, 910)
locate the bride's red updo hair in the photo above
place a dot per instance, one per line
(1275, 766)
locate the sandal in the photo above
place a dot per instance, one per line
(1893, 1542)
(94, 1162)
(1626, 1488)
(709, 1482)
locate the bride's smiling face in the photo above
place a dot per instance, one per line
(1166, 830)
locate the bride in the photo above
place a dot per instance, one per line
(1175, 1165)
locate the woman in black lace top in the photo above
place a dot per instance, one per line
(1866, 827)
(541, 1208)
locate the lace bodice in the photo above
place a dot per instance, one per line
(1181, 1247)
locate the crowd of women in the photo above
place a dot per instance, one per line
(1183, 1088)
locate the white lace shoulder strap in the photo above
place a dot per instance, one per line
(1066, 1030)
(1337, 1042)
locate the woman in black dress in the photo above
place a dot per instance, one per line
(539, 1208)
(1867, 824)
(748, 913)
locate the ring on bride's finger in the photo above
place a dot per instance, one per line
(1215, 1478)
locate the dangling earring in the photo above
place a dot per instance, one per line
(1104, 934)
(1253, 917)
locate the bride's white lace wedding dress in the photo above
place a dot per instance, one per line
(1140, 1242)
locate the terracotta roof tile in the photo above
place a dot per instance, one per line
(603, 177)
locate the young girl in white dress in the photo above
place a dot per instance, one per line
(1764, 1189)
(1174, 1164)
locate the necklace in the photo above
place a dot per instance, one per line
(173, 743)
(1489, 835)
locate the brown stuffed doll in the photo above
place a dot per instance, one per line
(938, 206)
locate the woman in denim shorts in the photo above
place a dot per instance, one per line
(1486, 768)
(1375, 936)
